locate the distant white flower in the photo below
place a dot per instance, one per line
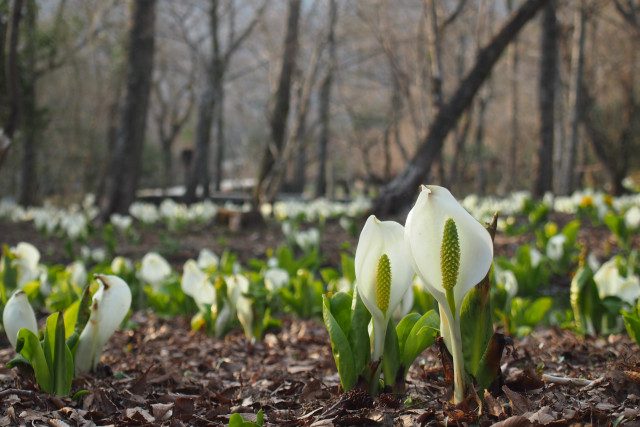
(154, 269)
(555, 247)
(26, 261)
(121, 222)
(207, 259)
(197, 284)
(508, 280)
(611, 283)
(275, 278)
(308, 239)
(144, 212)
(74, 225)
(18, 314)
(535, 256)
(98, 254)
(78, 273)
(237, 285)
(121, 265)
(632, 217)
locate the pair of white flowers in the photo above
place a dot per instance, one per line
(109, 306)
(449, 250)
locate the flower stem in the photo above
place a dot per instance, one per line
(459, 378)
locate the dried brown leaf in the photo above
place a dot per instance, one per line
(519, 403)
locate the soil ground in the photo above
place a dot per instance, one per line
(161, 373)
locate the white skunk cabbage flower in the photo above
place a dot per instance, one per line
(275, 278)
(121, 265)
(383, 273)
(78, 274)
(555, 247)
(18, 314)
(535, 256)
(451, 252)
(632, 217)
(207, 259)
(237, 285)
(26, 261)
(121, 222)
(610, 282)
(197, 285)
(154, 269)
(109, 306)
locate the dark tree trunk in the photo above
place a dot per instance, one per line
(122, 179)
(325, 104)
(543, 174)
(567, 182)
(280, 110)
(400, 192)
(30, 122)
(13, 99)
(206, 110)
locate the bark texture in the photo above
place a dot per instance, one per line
(122, 177)
(546, 93)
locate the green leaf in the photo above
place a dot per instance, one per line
(359, 334)
(28, 345)
(585, 301)
(476, 325)
(535, 313)
(404, 329)
(341, 310)
(62, 359)
(422, 335)
(632, 324)
(340, 347)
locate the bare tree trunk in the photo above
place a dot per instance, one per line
(548, 67)
(567, 179)
(122, 179)
(481, 156)
(399, 193)
(280, 110)
(14, 91)
(29, 109)
(206, 110)
(220, 139)
(512, 160)
(325, 104)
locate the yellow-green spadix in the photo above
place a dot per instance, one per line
(383, 273)
(109, 306)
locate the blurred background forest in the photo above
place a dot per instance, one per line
(316, 97)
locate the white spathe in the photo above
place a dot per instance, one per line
(207, 259)
(197, 284)
(380, 238)
(109, 307)
(26, 261)
(610, 282)
(154, 269)
(555, 247)
(275, 278)
(18, 314)
(423, 232)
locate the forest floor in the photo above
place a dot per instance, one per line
(159, 372)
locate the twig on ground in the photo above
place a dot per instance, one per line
(578, 382)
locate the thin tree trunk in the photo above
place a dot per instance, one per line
(278, 117)
(122, 179)
(567, 180)
(544, 167)
(206, 109)
(29, 109)
(512, 161)
(325, 104)
(220, 139)
(14, 91)
(481, 157)
(399, 193)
